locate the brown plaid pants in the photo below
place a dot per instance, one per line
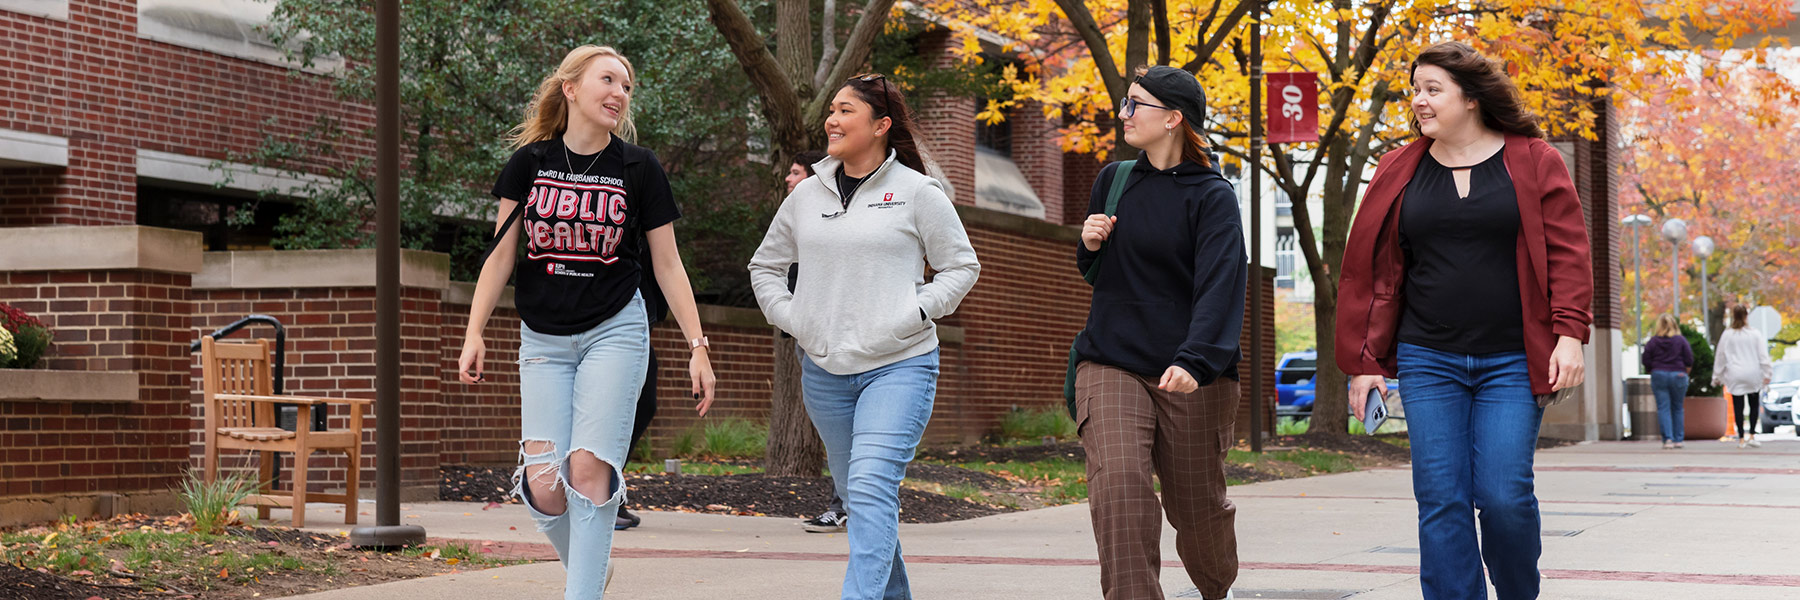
(1130, 428)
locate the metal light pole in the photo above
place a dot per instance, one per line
(1703, 247)
(1636, 222)
(1255, 166)
(1675, 230)
(388, 532)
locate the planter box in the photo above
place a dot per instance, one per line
(1706, 417)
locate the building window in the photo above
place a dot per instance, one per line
(212, 214)
(1287, 257)
(996, 137)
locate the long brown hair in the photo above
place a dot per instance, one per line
(548, 114)
(885, 100)
(1485, 81)
(1740, 317)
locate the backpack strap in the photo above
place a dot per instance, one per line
(1121, 174)
(537, 154)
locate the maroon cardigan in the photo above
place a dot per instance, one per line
(1556, 284)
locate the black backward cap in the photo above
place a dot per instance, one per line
(1179, 90)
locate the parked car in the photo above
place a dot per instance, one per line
(1778, 403)
(1295, 388)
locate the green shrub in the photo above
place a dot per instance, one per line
(1700, 379)
(726, 438)
(1034, 424)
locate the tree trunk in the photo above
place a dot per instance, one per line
(1331, 401)
(794, 446)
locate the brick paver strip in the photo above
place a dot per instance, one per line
(1540, 501)
(538, 551)
(1613, 469)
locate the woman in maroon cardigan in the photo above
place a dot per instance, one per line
(1475, 292)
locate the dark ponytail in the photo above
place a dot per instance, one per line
(885, 99)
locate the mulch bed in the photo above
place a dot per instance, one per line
(330, 564)
(26, 584)
(476, 484)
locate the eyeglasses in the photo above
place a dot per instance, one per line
(871, 77)
(1128, 107)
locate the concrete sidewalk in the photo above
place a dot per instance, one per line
(1622, 520)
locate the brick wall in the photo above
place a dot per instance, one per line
(104, 320)
(1078, 173)
(947, 123)
(92, 80)
(1037, 149)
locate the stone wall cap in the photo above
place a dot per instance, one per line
(100, 248)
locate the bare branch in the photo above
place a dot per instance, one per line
(856, 52)
(781, 104)
(1078, 15)
(827, 39)
(1204, 52)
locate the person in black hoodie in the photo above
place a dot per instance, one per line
(1157, 391)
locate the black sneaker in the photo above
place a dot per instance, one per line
(625, 520)
(830, 521)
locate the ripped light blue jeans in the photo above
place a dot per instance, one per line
(579, 393)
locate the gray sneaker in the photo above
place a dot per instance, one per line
(830, 521)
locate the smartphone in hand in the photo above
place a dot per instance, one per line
(1375, 412)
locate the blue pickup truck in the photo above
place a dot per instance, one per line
(1295, 389)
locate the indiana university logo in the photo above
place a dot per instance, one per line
(888, 198)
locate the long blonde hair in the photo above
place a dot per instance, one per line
(1666, 326)
(548, 114)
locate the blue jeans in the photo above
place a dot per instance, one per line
(871, 423)
(580, 392)
(1670, 388)
(1474, 427)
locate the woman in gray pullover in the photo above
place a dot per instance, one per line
(866, 226)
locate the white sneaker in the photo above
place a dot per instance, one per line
(1229, 595)
(1754, 444)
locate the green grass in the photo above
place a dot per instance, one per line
(700, 468)
(726, 438)
(1038, 423)
(1315, 461)
(1064, 481)
(1293, 426)
(214, 503)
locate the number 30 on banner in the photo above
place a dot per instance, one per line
(1293, 107)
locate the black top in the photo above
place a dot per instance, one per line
(582, 233)
(847, 186)
(1170, 290)
(1462, 283)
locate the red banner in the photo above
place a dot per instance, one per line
(1293, 107)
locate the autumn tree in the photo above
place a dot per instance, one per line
(1570, 59)
(1714, 146)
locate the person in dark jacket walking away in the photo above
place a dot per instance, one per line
(1467, 275)
(1668, 358)
(1156, 390)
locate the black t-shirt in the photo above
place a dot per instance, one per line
(1462, 282)
(582, 233)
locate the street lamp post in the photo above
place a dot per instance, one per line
(1675, 230)
(1636, 222)
(1703, 247)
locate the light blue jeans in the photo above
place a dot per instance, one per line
(1474, 426)
(1670, 388)
(579, 392)
(871, 423)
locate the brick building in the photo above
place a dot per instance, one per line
(112, 134)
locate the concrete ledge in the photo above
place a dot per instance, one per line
(112, 247)
(198, 174)
(24, 149)
(463, 293)
(285, 269)
(31, 510)
(993, 219)
(38, 385)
